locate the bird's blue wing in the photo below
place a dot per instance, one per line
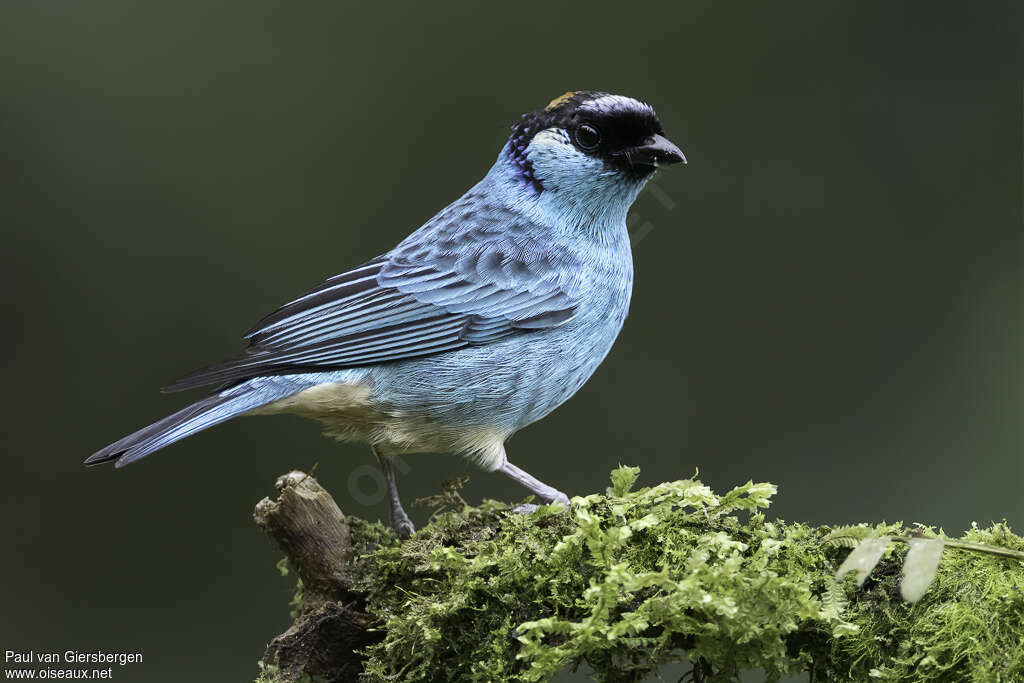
(420, 299)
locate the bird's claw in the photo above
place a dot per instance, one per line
(560, 498)
(527, 508)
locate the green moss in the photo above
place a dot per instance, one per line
(630, 579)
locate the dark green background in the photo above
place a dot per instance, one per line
(831, 300)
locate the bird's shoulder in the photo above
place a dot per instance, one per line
(484, 242)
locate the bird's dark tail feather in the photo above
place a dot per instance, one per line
(198, 416)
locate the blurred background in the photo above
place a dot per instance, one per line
(828, 297)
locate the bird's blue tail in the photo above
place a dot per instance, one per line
(197, 417)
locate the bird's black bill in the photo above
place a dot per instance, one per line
(659, 150)
(642, 160)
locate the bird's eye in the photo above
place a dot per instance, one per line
(587, 137)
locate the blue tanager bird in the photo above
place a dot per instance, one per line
(480, 322)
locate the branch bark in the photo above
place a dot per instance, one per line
(330, 625)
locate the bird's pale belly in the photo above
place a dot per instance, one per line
(350, 408)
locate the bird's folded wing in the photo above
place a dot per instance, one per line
(414, 302)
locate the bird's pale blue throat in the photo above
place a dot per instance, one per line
(483, 320)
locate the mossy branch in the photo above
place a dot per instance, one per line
(629, 580)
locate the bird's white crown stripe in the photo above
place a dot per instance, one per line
(607, 103)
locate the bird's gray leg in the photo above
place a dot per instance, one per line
(397, 518)
(542, 490)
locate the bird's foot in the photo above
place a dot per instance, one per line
(401, 524)
(557, 497)
(546, 493)
(560, 498)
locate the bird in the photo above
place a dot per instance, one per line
(482, 321)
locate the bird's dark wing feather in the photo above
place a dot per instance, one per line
(418, 300)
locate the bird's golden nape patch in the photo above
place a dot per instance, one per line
(560, 100)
